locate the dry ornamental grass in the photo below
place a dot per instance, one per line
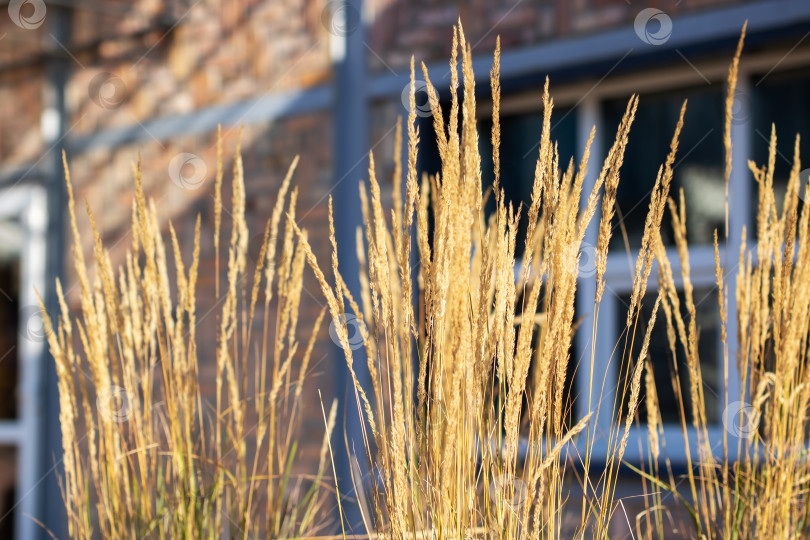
(147, 458)
(465, 420)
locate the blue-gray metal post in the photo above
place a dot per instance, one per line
(350, 158)
(51, 508)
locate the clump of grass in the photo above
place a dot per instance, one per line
(757, 486)
(145, 455)
(466, 429)
(482, 450)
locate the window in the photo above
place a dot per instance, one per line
(698, 167)
(8, 482)
(665, 371)
(780, 99)
(9, 370)
(698, 170)
(520, 144)
(9, 308)
(22, 347)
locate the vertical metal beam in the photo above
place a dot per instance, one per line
(588, 116)
(740, 214)
(50, 508)
(350, 144)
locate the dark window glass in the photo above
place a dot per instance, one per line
(520, 144)
(519, 149)
(782, 100)
(698, 167)
(664, 369)
(9, 350)
(8, 497)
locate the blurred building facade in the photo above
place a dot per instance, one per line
(112, 81)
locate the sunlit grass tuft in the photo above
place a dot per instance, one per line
(482, 450)
(466, 422)
(146, 455)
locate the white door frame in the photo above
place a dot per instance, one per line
(26, 205)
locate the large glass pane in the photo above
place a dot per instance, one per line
(519, 149)
(9, 335)
(669, 374)
(520, 145)
(781, 99)
(698, 166)
(8, 495)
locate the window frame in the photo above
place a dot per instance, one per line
(26, 205)
(619, 279)
(584, 98)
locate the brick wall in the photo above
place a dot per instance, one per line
(127, 67)
(423, 28)
(133, 61)
(20, 109)
(104, 179)
(174, 63)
